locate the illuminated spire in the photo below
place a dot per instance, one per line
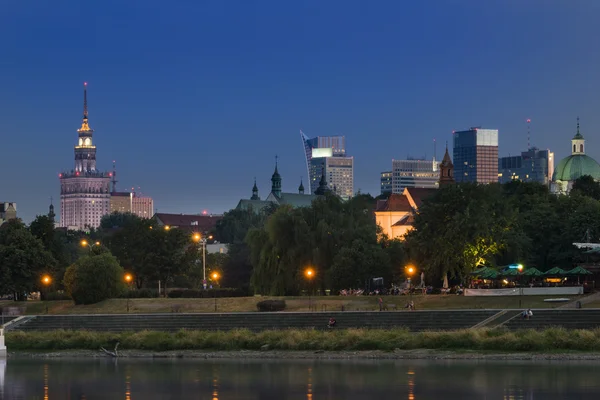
(84, 124)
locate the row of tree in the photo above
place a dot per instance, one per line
(459, 228)
(464, 226)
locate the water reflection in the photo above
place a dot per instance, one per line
(281, 380)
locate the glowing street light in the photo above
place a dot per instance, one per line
(128, 279)
(310, 274)
(410, 270)
(85, 243)
(198, 238)
(46, 280)
(215, 277)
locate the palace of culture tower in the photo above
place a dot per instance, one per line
(84, 191)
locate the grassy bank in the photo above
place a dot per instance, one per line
(549, 340)
(248, 304)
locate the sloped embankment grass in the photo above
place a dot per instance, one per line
(549, 340)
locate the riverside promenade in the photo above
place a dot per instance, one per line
(416, 321)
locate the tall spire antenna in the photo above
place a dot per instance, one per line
(114, 177)
(434, 149)
(528, 133)
(578, 124)
(85, 109)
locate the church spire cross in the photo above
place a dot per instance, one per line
(578, 125)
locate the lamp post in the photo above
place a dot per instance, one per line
(310, 274)
(520, 268)
(410, 270)
(128, 279)
(46, 281)
(215, 277)
(198, 238)
(85, 243)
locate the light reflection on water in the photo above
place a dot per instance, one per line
(107, 379)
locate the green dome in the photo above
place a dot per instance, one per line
(575, 166)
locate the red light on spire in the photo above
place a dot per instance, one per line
(60, 175)
(528, 120)
(110, 174)
(204, 212)
(84, 83)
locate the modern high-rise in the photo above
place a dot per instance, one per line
(476, 155)
(131, 202)
(386, 182)
(84, 191)
(326, 155)
(413, 173)
(533, 165)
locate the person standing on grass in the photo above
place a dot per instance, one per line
(380, 304)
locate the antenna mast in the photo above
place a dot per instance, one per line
(528, 133)
(114, 177)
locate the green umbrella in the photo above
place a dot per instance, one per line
(579, 271)
(533, 272)
(489, 274)
(510, 272)
(555, 271)
(482, 270)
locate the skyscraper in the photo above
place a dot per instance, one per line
(476, 155)
(327, 155)
(533, 165)
(84, 191)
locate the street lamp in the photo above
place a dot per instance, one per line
(410, 270)
(46, 281)
(198, 238)
(128, 278)
(85, 243)
(215, 277)
(310, 274)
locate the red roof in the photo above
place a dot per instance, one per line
(396, 202)
(419, 194)
(190, 222)
(407, 220)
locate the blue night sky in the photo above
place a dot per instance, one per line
(193, 99)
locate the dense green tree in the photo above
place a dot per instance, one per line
(23, 260)
(587, 186)
(94, 278)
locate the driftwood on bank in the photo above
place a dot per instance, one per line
(111, 353)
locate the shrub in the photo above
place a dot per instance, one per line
(94, 278)
(53, 296)
(209, 293)
(144, 293)
(271, 305)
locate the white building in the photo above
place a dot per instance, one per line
(84, 191)
(415, 174)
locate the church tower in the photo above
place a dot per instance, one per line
(446, 169)
(51, 213)
(85, 151)
(322, 189)
(255, 192)
(276, 181)
(301, 187)
(578, 142)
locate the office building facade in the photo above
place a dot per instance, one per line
(533, 165)
(131, 202)
(414, 174)
(326, 155)
(386, 182)
(476, 155)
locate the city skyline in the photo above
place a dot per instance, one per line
(195, 100)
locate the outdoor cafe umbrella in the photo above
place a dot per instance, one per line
(510, 272)
(489, 274)
(481, 271)
(578, 271)
(533, 272)
(555, 272)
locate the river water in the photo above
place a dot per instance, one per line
(146, 379)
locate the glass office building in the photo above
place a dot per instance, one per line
(476, 155)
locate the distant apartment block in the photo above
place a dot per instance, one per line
(533, 165)
(130, 202)
(476, 155)
(386, 182)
